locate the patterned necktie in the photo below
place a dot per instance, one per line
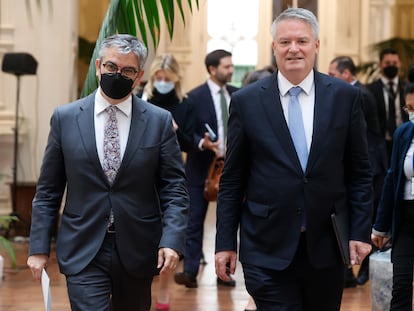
(296, 128)
(224, 113)
(391, 124)
(111, 146)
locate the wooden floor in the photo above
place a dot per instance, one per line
(19, 292)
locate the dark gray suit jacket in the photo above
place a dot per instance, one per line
(264, 190)
(148, 197)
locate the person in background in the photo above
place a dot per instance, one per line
(258, 74)
(343, 67)
(210, 107)
(164, 90)
(126, 200)
(388, 91)
(395, 214)
(296, 154)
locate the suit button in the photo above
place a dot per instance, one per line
(305, 180)
(299, 211)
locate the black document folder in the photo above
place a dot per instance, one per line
(340, 225)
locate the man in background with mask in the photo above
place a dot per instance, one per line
(388, 91)
(126, 204)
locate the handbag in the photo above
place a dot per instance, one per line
(211, 185)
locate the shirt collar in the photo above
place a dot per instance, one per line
(285, 85)
(385, 80)
(101, 104)
(214, 88)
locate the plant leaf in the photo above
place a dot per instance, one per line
(6, 245)
(129, 16)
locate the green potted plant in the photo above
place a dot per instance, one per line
(5, 244)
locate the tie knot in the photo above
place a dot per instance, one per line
(111, 110)
(294, 91)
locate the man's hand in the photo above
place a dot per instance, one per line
(358, 251)
(37, 263)
(378, 240)
(225, 264)
(167, 259)
(213, 146)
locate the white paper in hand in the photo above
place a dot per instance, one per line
(47, 297)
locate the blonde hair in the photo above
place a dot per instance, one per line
(169, 64)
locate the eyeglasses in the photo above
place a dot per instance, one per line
(129, 72)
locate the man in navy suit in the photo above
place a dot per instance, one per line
(280, 200)
(390, 104)
(207, 109)
(343, 67)
(120, 225)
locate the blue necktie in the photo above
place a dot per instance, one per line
(296, 128)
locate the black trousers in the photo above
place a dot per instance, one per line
(402, 259)
(105, 285)
(300, 287)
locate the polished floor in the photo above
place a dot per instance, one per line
(18, 292)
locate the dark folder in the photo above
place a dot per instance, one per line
(340, 225)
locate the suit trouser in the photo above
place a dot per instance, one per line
(378, 182)
(105, 285)
(300, 287)
(195, 229)
(402, 259)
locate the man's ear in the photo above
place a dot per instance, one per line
(138, 78)
(98, 67)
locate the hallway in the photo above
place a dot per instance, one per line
(19, 292)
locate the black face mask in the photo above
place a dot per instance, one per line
(390, 72)
(115, 85)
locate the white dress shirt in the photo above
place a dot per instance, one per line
(409, 173)
(123, 116)
(214, 90)
(306, 99)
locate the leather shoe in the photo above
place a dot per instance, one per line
(350, 283)
(350, 280)
(230, 283)
(186, 279)
(362, 278)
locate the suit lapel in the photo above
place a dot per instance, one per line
(211, 110)
(86, 125)
(405, 141)
(323, 111)
(138, 124)
(322, 115)
(274, 113)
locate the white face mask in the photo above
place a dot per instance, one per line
(164, 87)
(411, 116)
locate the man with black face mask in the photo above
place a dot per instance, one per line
(388, 91)
(126, 204)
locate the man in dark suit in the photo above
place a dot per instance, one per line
(210, 107)
(126, 201)
(343, 67)
(389, 89)
(287, 170)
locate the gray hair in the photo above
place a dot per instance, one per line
(300, 14)
(125, 44)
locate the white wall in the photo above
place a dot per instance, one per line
(49, 33)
